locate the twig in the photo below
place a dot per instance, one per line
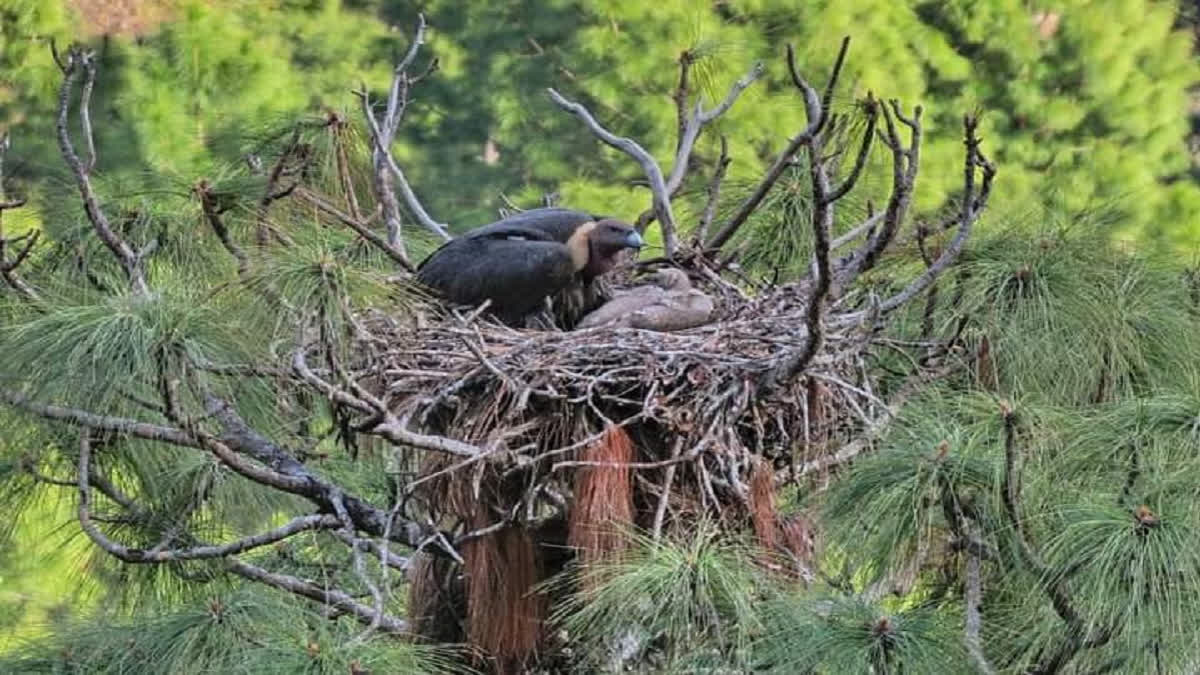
(972, 208)
(818, 110)
(664, 498)
(360, 570)
(382, 133)
(714, 193)
(905, 164)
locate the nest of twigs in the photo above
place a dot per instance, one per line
(714, 400)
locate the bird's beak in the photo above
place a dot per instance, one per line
(634, 240)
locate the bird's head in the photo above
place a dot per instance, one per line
(671, 279)
(594, 246)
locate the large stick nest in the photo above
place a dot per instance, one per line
(712, 395)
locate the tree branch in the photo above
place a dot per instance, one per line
(714, 195)
(818, 113)
(119, 425)
(338, 600)
(396, 253)
(658, 186)
(141, 556)
(971, 210)
(212, 213)
(382, 134)
(79, 59)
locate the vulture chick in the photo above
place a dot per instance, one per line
(670, 304)
(522, 260)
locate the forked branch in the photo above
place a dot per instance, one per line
(388, 174)
(79, 61)
(818, 117)
(690, 127)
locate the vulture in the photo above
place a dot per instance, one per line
(669, 304)
(523, 260)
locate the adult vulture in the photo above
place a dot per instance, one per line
(522, 260)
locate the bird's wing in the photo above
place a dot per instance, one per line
(551, 223)
(548, 224)
(515, 274)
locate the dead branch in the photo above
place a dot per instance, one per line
(714, 195)
(141, 556)
(971, 210)
(77, 61)
(383, 133)
(658, 185)
(698, 119)
(818, 109)
(905, 163)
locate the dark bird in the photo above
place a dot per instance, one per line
(669, 304)
(522, 260)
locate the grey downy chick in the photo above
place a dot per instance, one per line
(669, 304)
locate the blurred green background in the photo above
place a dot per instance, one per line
(1089, 105)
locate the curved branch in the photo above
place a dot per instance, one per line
(142, 556)
(658, 185)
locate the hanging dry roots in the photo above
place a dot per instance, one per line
(603, 505)
(787, 542)
(505, 612)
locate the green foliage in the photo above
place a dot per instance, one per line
(696, 595)
(1093, 346)
(229, 632)
(839, 634)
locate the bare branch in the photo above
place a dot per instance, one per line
(410, 197)
(905, 163)
(79, 59)
(864, 151)
(120, 425)
(383, 132)
(972, 208)
(701, 118)
(974, 622)
(360, 570)
(387, 425)
(272, 192)
(818, 112)
(139, 556)
(658, 186)
(714, 195)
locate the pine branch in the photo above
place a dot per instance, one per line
(139, 556)
(383, 132)
(661, 197)
(78, 60)
(335, 599)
